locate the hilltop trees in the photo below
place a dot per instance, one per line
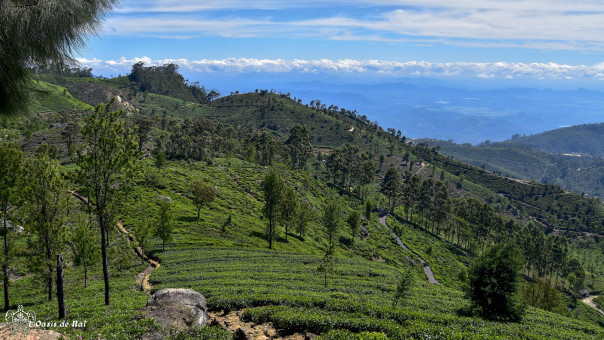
(167, 81)
(40, 34)
(106, 164)
(11, 159)
(272, 188)
(203, 194)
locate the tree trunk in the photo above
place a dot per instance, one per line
(49, 258)
(270, 228)
(198, 209)
(104, 255)
(5, 266)
(60, 291)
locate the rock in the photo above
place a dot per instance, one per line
(310, 336)
(165, 198)
(177, 308)
(240, 334)
(584, 293)
(410, 261)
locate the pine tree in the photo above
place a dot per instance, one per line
(391, 186)
(11, 159)
(272, 188)
(39, 34)
(164, 223)
(45, 205)
(106, 167)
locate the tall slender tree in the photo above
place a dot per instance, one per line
(331, 220)
(354, 222)
(84, 244)
(106, 166)
(289, 208)
(391, 186)
(272, 188)
(11, 159)
(298, 146)
(46, 205)
(164, 224)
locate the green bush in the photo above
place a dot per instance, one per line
(341, 334)
(494, 282)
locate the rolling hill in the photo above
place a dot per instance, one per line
(224, 254)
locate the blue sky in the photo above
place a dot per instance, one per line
(488, 39)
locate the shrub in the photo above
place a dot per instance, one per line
(494, 281)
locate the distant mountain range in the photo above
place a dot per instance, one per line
(423, 108)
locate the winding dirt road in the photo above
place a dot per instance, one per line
(143, 277)
(590, 302)
(427, 269)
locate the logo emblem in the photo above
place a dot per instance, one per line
(19, 321)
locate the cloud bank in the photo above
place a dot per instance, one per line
(532, 24)
(499, 70)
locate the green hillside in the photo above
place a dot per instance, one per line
(445, 213)
(581, 174)
(583, 139)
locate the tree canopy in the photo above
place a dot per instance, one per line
(39, 33)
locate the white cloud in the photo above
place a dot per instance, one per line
(534, 24)
(502, 70)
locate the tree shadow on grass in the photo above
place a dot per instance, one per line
(188, 219)
(345, 241)
(258, 234)
(298, 237)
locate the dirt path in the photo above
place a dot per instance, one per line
(232, 322)
(143, 277)
(427, 269)
(590, 302)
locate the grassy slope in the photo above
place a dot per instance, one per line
(582, 174)
(235, 270)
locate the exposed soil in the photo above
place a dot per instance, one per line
(34, 334)
(232, 322)
(427, 269)
(143, 277)
(590, 302)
